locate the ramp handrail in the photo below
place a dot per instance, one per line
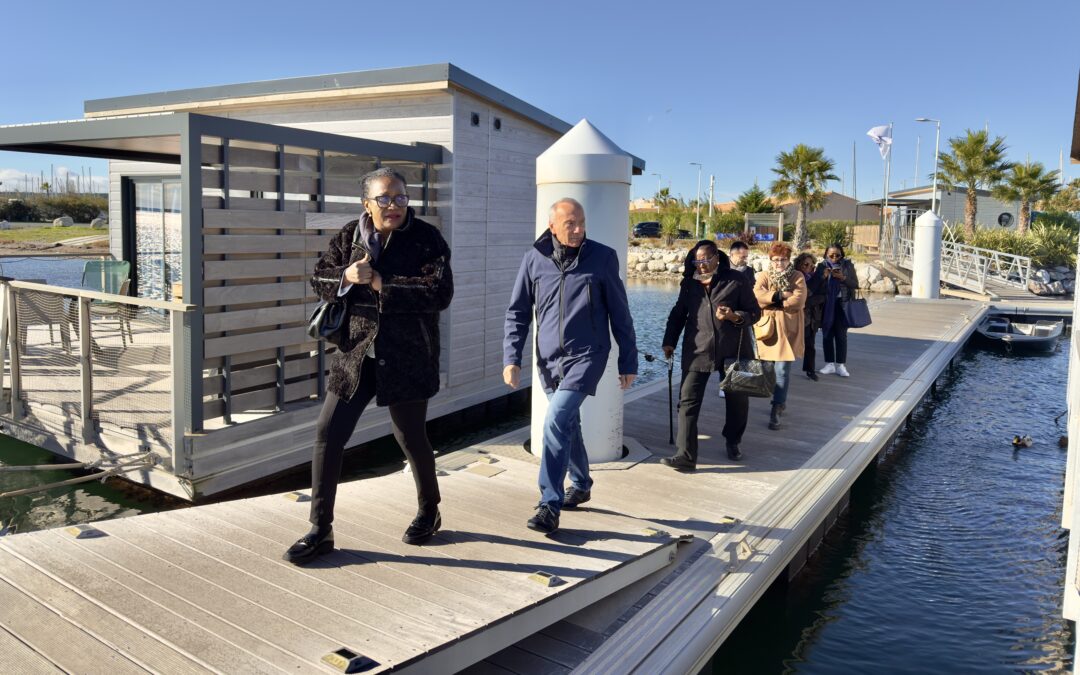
(963, 265)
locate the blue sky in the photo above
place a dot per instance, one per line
(727, 84)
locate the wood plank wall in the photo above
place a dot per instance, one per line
(494, 206)
(259, 254)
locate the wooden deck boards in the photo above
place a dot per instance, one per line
(204, 589)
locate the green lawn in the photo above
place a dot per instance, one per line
(48, 233)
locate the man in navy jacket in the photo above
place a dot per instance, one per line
(576, 291)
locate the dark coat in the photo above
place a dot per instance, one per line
(402, 319)
(847, 288)
(574, 308)
(707, 342)
(815, 301)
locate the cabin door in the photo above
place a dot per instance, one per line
(152, 241)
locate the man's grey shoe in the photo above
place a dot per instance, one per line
(546, 520)
(575, 497)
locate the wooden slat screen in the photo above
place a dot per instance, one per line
(259, 251)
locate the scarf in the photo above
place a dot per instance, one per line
(564, 256)
(782, 282)
(832, 290)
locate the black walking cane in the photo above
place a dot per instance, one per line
(670, 368)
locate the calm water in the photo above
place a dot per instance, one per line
(56, 271)
(951, 558)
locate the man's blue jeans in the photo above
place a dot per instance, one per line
(563, 448)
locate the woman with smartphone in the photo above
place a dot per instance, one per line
(840, 286)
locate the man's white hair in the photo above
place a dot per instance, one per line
(565, 200)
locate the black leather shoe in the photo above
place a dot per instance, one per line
(733, 452)
(575, 497)
(545, 520)
(310, 546)
(422, 528)
(812, 375)
(679, 463)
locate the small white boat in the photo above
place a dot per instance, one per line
(1041, 335)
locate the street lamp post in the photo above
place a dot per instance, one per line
(657, 197)
(697, 202)
(937, 139)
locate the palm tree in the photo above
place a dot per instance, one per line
(754, 200)
(975, 162)
(802, 175)
(1027, 183)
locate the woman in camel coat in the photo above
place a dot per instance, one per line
(781, 292)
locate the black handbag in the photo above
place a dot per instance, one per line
(752, 377)
(330, 320)
(857, 312)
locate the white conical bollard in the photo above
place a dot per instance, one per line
(587, 166)
(926, 268)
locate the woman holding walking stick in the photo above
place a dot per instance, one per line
(715, 306)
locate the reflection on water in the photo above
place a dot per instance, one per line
(952, 557)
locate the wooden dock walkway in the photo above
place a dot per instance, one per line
(203, 589)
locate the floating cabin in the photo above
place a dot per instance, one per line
(222, 200)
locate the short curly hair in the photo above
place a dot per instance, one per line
(780, 250)
(802, 258)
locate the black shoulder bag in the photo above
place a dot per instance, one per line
(330, 320)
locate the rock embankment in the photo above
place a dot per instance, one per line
(1060, 280)
(643, 262)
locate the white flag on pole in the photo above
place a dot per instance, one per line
(883, 137)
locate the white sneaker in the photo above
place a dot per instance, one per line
(842, 371)
(828, 369)
(721, 391)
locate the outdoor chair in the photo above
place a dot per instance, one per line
(110, 276)
(43, 309)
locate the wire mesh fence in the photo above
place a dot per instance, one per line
(120, 370)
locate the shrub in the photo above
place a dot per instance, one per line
(16, 210)
(728, 223)
(1061, 218)
(1053, 245)
(828, 232)
(81, 208)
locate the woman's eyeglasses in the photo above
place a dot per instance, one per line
(384, 200)
(706, 261)
(780, 260)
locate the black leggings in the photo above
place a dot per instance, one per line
(336, 424)
(691, 396)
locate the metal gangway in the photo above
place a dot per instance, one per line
(972, 268)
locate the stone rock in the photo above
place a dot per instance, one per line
(1055, 274)
(1041, 276)
(657, 266)
(883, 285)
(903, 289)
(873, 274)
(99, 223)
(1039, 288)
(673, 257)
(1063, 270)
(642, 267)
(674, 267)
(63, 221)
(1069, 285)
(5, 225)
(631, 256)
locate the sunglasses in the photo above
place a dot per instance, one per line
(384, 200)
(706, 261)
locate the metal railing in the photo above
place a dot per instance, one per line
(93, 367)
(970, 267)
